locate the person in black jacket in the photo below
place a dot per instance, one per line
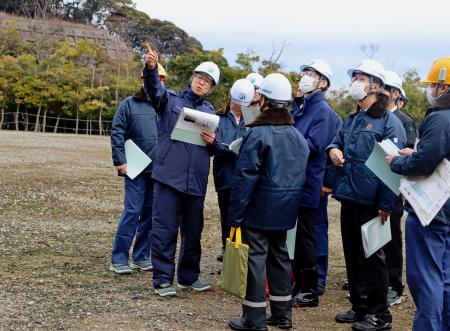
(265, 198)
(394, 248)
(135, 119)
(363, 196)
(231, 129)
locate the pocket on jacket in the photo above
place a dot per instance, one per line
(365, 143)
(365, 183)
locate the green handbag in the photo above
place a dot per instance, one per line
(233, 278)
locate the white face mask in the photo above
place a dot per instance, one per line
(357, 90)
(307, 84)
(430, 97)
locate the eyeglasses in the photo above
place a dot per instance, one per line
(204, 79)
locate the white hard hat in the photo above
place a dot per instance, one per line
(320, 66)
(255, 79)
(394, 80)
(403, 93)
(369, 67)
(242, 92)
(209, 68)
(276, 87)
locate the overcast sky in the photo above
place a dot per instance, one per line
(410, 34)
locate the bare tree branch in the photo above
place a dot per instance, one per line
(370, 50)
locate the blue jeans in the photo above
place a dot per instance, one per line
(428, 272)
(136, 220)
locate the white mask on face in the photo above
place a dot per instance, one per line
(357, 90)
(430, 97)
(306, 84)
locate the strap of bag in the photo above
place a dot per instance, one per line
(238, 240)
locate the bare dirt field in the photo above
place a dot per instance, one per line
(60, 201)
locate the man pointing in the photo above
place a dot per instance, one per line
(180, 174)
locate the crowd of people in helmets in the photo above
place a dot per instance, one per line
(294, 155)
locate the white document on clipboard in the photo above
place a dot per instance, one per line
(190, 125)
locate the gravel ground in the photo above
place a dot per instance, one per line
(59, 205)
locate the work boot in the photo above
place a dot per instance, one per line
(281, 323)
(238, 323)
(372, 323)
(308, 299)
(348, 317)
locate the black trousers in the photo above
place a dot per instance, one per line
(223, 198)
(394, 248)
(305, 259)
(267, 257)
(367, 277)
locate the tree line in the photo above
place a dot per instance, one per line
(41, 83)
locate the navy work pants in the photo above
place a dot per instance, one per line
(394, 248)
(321, 235)
(367, 277)
(174, 210)
(428, 272)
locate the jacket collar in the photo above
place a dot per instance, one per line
(300, 104)
(314, 97)
(188, 93)
(297, 106)
(435, 109)
(140, 95)
(271, 116)
(378, 109)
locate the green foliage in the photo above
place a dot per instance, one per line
(247, 60)
(81, 81)
(341, 101)
(417, 103)
(73, 80)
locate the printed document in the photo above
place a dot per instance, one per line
(427, 195)
(375, 235)
(234, 147)
(190, 125)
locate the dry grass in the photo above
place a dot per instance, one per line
(59, 205)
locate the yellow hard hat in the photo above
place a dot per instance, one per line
(161, 70)
(439, 72)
